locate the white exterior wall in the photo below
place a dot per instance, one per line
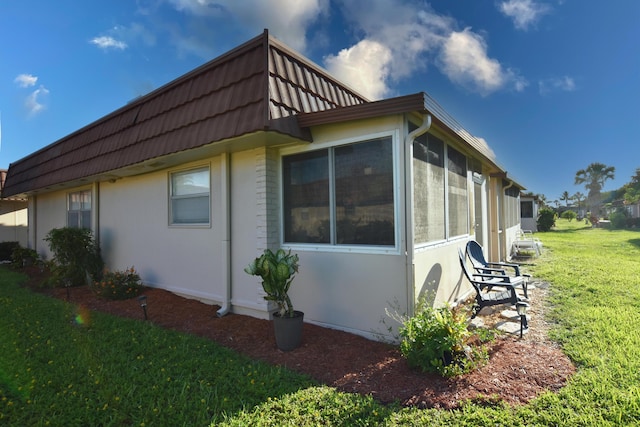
(135, 231)
(438, 276)
(349, 287)
(49, 211)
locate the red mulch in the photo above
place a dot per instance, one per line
(518, 370)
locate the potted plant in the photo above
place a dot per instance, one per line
(277, 271)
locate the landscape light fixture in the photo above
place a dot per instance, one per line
(521, 308)
(142, 299)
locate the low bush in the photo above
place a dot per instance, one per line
(546, 219)
(438, 340)
(23, 257)
(75, 256)
(618, 219)
(570, 215)
(118, 284)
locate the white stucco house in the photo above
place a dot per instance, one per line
(529, 205)
(261, 148)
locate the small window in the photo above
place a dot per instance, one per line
(79, 209)
(190, 197)
(526, 209)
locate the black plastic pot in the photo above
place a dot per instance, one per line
(288, 330)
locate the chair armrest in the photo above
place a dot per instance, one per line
(516, 267)
(489, 270)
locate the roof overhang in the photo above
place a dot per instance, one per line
(420, 103)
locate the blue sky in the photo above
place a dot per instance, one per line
(552, 86)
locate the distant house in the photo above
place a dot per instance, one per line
(13, 217)
(529, 205)
(261, 148)
(633, 209)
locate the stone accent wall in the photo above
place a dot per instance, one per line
(267, 199)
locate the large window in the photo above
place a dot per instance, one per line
(440, 190)
(189, 194)
(79, 209)
(512, 202)
(458, 202)
(341, 196)
(429, 189)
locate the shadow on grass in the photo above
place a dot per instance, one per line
(569, 230)
(635, 242)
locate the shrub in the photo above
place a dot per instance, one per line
(75, 255)
(570, 215)
(437, 340)
(546, 219)
(618, 219)
(23, 257)
(118, 284)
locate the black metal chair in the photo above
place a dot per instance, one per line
(482, 266)
(484, 285)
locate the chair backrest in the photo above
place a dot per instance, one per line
(474, 251)
(465, 270)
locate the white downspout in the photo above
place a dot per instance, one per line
(226, 229)
(409, 215)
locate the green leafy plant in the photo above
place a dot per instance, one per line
(118, 285)
(569, 215)
(438, 340)
(618, 219)
(23, 257)
(546, 219)
(277, 271)
(75, 255)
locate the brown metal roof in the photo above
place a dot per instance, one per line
(261, 86)
(255, 87)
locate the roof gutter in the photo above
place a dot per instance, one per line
(409, 214)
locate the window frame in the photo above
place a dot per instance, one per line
(80, 211)
(332, 246)
(448, 237)
(171, 197)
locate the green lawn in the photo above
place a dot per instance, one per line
(58, 368)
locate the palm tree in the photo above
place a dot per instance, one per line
(632, 189)
(593, 178)
(566, 197)
(543, 200)
(578, 197)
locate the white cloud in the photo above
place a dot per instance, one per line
(393, 39)
(563, 84)
(25, 80)
(524, 13)
(34, 102)
(412, 39)
(364, 66)
(286, 19)
(465, 61)
(108, 42)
